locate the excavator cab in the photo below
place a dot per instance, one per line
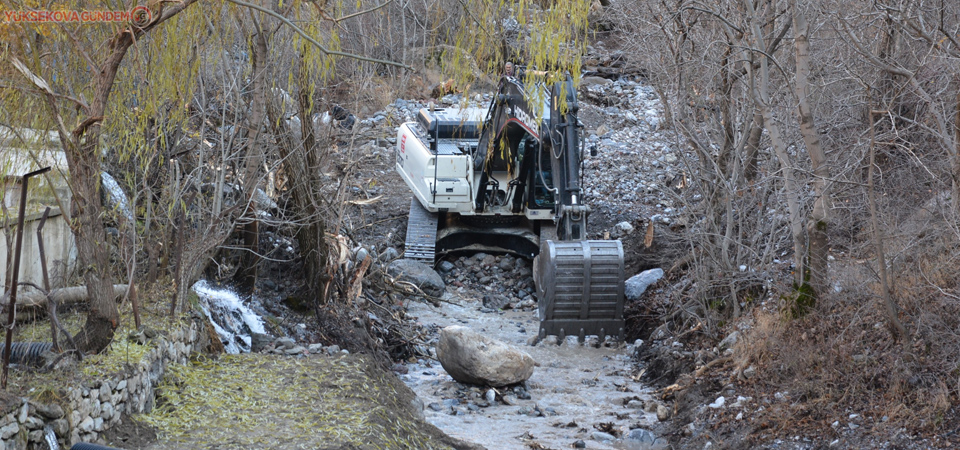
(542, 178)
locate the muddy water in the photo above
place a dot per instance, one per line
(572, 384)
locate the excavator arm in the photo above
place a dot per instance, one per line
(553, 150)
(579, 281)
(563, 140)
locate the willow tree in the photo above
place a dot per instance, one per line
(70, 73)
(549, 37)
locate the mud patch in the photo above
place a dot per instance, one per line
(131, 434)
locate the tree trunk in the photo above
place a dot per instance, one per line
(889, 306)
(82, 150)
(304, 165)
(955, 186)
(750, 164)
(246, 276)
(818, 222)
(93, 256)
(790, 185)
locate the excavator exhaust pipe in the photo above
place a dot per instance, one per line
(580, 288)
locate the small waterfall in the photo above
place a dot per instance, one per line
(233, 320)
(116, 198)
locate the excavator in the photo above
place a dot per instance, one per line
(508, 179)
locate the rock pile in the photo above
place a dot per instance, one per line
(638, 168)
(289, 347)
(501, 281)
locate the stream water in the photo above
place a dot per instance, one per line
(575, 389)
(233, 320)
(116, 198)
(51, 438)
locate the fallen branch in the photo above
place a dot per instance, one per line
(75, 294)
(356, 281)
(716, 362)
(409, 288)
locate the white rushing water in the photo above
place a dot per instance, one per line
(233, 320)
(116, 198)
(51, 438)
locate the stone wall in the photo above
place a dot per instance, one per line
(91, 409)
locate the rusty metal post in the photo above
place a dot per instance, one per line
(51, 304)
(15, 276)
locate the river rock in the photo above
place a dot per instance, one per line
(61, 427)
(286, 343)
(495, 301)
(622, 229)
(86, 425)
(640, 435)
(298, 350)
(418, 273)
(729, 341)
(663, 413)
(470, 357)
(601, 436)
(51, 411)
(636, 285)
(389, 254)
(315, 348)
(362, 254)
(9, 430)
(488, 260)
(640, 439)
(33, 423)
(589, 81)
(446, 266)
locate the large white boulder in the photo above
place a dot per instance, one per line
(471, 357)
(636, 285)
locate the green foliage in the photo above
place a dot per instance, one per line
(800, 301)
(494, 32)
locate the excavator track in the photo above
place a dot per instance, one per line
(421, 240)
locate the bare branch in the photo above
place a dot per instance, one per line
(360, 13)
(314, 41)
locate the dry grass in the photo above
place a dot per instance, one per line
(842, 359)
(284, 402)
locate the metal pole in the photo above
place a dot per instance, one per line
(51, 304)
(16, 271)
